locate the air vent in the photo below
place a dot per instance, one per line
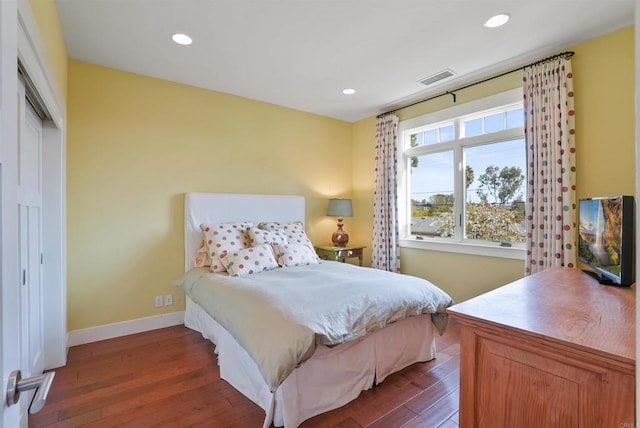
(437, 77)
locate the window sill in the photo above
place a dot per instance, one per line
(487, 250)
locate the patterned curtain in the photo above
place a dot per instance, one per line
(551, 190)
(386, 252)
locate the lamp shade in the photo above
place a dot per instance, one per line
(340, 207)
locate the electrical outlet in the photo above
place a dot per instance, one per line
(168, 300)
(158, 301)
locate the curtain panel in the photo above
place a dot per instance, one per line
(551, 189)
(386, 251)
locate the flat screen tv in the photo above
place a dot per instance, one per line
(606, 238)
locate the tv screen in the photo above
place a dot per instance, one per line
(606, 238)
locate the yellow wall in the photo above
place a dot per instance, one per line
(604, 86)
(363, 176)
(604, 103)
(137, 144)
(46, 16)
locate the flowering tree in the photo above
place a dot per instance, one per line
(486, 222)
(493, 223)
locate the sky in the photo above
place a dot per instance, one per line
(435, 172)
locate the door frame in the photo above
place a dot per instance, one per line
(10, 297)
(20, 38)
(32, 55)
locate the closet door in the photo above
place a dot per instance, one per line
(30, 237)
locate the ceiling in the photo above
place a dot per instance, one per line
(302, 53)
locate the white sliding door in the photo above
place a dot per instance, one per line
(30, 238)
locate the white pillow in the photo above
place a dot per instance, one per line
(294, 231)
(250, 260)
(222, 238)
(295, 255)
(260, 236)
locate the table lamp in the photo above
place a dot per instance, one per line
(340, 208)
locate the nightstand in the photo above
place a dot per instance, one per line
(339, 254)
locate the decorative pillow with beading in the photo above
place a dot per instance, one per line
(250, 260)
(202, 257)
(222, 238)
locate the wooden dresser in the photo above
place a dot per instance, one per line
(555, 349)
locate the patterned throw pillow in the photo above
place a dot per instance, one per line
(202, 258)
(250, 260)
(261, 236)
(294, 231)
(295, 255)
(222, 238)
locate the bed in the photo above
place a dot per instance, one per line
(324, 369)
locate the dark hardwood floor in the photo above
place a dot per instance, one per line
(170, 378)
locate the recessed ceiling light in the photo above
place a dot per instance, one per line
(497, 20)
(348, 91)
(182, 39)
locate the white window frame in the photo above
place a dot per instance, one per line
(458, 113)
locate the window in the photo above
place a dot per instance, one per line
(463, 178)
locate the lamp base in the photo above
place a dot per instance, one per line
(340, 238)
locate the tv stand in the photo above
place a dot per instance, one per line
(600, 278)
(554, 349)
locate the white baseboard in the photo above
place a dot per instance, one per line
(124, 328)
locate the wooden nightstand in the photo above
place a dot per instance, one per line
(339, 254)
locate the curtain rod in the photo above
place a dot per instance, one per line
(566, 55)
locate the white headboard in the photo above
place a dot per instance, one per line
(212, 208)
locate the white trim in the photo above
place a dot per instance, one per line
(124, 328)
(10, 343)
(517, 253)
(471, 107)
(54, 246)
(476, 108)
(477, 140)
(33, 56)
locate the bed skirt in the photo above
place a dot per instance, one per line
(330, 378)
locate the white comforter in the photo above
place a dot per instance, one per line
(279, 316)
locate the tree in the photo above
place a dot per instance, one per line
(419, 208)
(441, 200)
(518, 207)
(501, 184)
(489, 184)
(413, 143)
(469, 175)
(511, 179)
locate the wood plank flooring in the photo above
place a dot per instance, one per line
(170, 378)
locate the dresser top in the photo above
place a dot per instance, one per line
(563, 305)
